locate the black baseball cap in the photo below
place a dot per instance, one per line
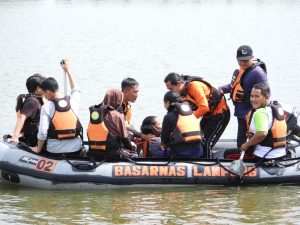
(244, 52)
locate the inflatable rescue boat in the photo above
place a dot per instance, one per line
(20, 166)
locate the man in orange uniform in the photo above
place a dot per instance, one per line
(206, 101)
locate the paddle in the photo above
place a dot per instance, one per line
(237, 166)
(65, 84)
(65, 79)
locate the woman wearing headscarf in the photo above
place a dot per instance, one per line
(107, 132)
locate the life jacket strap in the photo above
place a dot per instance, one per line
(97, 143)
(69, 131)
(191, 133)
(281, 139)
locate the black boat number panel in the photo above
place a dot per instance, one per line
(45, 165)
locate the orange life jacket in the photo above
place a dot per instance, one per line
(214, 98)
(126, 111)
(99, 137)
(248, 118)
(276, 136)
(187, 129)
(64, 123)
(237, 93)
(145, 148)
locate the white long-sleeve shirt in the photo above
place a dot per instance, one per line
(55, 145)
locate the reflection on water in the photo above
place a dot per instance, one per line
(107, 41)
(215, 205)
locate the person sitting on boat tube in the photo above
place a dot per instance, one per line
(208, 103)
(266, 125)
(28, 112)
(59, 126)
(130, 90)
(107, 133)
(152, 125)
(180, 129)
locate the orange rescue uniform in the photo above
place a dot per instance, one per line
(198, 94)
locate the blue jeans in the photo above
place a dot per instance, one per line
(189, 153)
(242, 132)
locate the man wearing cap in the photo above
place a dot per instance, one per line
(252, 71)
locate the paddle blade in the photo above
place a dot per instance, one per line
(237, 166)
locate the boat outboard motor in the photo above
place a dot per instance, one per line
(291, 116)
(297, 131)
(293, 129)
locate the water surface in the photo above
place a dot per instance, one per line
(107, 41)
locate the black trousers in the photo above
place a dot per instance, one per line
(29, 140)
(242, 132)
(212, 128)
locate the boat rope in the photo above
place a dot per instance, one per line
(202, 164)
(85, 166)
(146, 164)
(226, 169)
(288, 165)
(88, 167)
(276, 161)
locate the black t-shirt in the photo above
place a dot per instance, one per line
(168, 126)
(30, 108)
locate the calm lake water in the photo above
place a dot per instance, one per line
(107, 41)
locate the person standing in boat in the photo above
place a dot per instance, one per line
(206, 101)
(107, 133)
(60, 128)
(130, 89)
(251, 72)
(180, 133)
(266, 125)
(28, 112)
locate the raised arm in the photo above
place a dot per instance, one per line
(65, 64)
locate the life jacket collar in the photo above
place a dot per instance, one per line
(276, 136)
(214, 97)
(237, 93)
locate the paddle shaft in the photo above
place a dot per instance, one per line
(65, 83)
(242, 155)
